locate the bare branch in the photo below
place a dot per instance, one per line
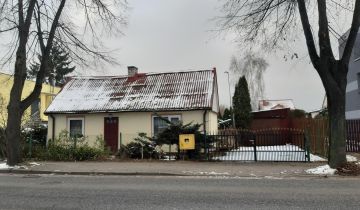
(254, 20)
(9, 29)
(324, 39)
(308, 34)
(352, 35)
(44, 62)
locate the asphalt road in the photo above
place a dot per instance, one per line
(122, 192)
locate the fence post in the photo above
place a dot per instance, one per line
(205, 147)
(254, 144)
(307, 146)
(169, 150)
(30, 145)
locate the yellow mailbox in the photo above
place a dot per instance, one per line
(187, 141)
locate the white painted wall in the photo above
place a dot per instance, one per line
(130, 123)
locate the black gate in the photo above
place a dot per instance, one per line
(261, 145)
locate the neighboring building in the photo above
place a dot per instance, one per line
(118, 108)
(36, 110)
(353, 78)
(265, 105)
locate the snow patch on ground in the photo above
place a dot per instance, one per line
(321, 170)
(269, 153)
(213, 173)
(34, 164)
(166, 157)
(315, 158)
(4, 166)
(351, 158)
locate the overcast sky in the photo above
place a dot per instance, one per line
(176, 35)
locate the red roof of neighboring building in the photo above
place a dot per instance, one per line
(190, 90)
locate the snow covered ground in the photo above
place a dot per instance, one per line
(321, 170)
(326, 170)
(351, 158)
(4, 166)
(269, 153)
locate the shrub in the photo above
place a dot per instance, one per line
(170, 135)
(66, 148)
(63, 153)
(88, 153)
(142, 147)
(37, 134)
(59, 153)
(34, 141)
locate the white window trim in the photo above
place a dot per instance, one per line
(168, 116)
(76, 118)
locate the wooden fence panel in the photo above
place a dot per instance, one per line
(318, 133)
(317, 130)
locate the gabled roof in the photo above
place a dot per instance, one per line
(190, 90)
(265, 105)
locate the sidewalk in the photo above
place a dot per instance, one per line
(170, 168)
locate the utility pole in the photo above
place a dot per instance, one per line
(231, 105)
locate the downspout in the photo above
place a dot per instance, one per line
(204, 129)
(53, 129)
(204, 121)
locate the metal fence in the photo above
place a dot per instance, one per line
(353, 135)
(260, 145)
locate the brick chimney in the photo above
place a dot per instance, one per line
(132, 71)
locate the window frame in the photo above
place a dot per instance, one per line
(82, 119)
(168, 116)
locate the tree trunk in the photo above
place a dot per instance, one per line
(337, 129)
(13, 134)
(335, 82)
(15, 109)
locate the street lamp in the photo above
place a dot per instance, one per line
(231, 108)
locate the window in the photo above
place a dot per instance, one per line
(160, 125)
(76, 127)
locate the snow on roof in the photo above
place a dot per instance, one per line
(265, 105)
(143, 92)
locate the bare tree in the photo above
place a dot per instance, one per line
(3, 116)
(2, 126)
(34, 26)
(253, 68)
(272, 21)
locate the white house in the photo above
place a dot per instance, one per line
(119, 107)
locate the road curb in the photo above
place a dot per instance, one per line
(19, 171)
(86, 173)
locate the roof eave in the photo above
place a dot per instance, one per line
(118, 111)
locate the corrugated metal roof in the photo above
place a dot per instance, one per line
(142, 92)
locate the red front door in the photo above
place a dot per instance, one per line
(111, 133)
